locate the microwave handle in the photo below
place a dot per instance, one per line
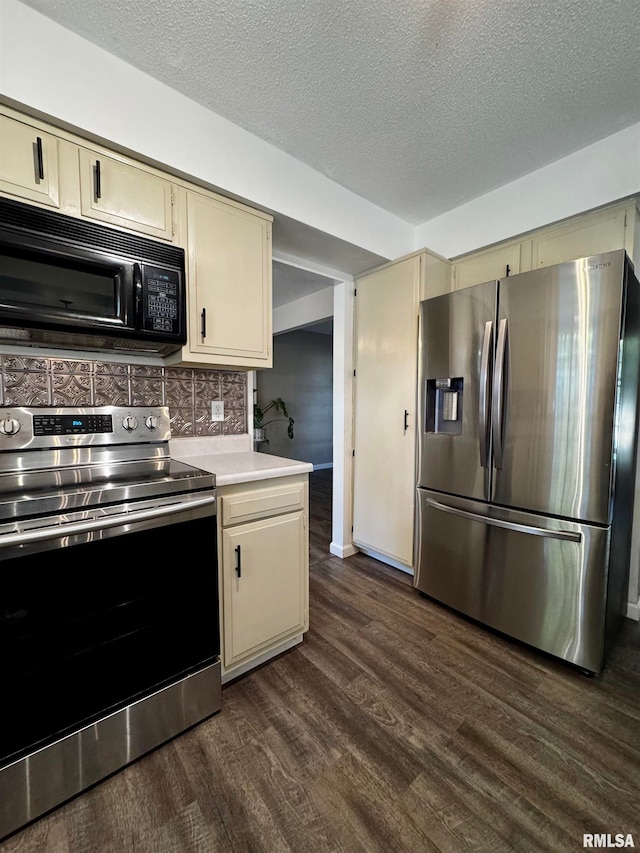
(137, 290)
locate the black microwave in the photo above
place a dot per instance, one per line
(65, 282)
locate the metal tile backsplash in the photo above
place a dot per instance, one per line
(188, 392)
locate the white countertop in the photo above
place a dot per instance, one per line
(233, 460)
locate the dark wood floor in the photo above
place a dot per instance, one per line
(395, 726)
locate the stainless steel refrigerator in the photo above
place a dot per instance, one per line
(526, 459)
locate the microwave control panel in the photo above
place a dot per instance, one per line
(161, 300)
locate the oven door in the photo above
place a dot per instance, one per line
(100, 609)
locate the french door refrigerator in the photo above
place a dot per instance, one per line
(526, 453)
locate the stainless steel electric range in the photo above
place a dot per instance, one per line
(109, 631)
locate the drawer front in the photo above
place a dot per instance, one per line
(261, 503)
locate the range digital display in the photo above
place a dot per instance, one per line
(72, 424)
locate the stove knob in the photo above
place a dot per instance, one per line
(130, 423)
(9, 426)
(152, 422)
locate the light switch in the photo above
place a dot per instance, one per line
(217, 410)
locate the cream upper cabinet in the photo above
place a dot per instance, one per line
(615, 226)
(117, 192)
(487, 265)
(264, 558)
(28, 162)
(435, 275)
(590, 235)
(229, 280)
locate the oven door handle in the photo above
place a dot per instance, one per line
(55, 531)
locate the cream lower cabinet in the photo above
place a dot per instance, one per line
(264, 558)
(385, 415)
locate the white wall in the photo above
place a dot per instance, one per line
(304, 311)
(599, 174)
(302, 375)
(47, 68)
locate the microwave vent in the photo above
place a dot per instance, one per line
(20, 217)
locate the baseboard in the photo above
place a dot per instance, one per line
(382, 558)
(236, 671)
(323, 465)
(342, 551)
(633, 610)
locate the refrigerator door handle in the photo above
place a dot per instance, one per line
(498, 394)
(484, 396)
(568, 535)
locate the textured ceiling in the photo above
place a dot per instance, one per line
(415, 105)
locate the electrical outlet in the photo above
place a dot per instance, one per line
(217, 410)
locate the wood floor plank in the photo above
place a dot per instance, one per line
(396, 725)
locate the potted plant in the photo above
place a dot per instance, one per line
(278, 411)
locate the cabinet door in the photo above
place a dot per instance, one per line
(604, 233)
(119, 193)
(486, 266)
(265, 584)
(28, 162)
(385, 409)
(229, 257)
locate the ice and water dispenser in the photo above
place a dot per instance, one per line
(444, 406)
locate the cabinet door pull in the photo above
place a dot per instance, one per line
(40, 158)
(98, 181)
(406, 420)
(238, 561)
(203, 323)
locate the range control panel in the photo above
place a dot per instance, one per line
(22, 427)
(71, 424)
